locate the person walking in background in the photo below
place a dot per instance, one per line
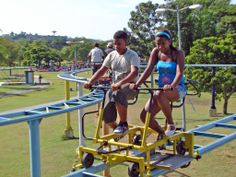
(124, 64)
(170, 65)
(96, 56)
(40, 78)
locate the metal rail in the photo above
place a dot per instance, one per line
(220, 139)
(34, 116)
(51, 110)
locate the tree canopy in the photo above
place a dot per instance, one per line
(8, 52)
(213, 19)
(35, 50)
(215, 50)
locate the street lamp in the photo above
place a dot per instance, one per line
(177, 10)
(75, 62)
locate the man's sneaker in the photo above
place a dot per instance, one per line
(120, 129)
(170, 130)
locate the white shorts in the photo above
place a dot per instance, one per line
(182, 91)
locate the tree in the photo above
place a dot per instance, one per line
(66, 53)
(3, 54)
(145, 22)
(142, 28)
(35, 55)
(196, 24)
(213, 19)
(82, 50)
(228, 20)
(215, 50)
(8, 52)
(54, 42)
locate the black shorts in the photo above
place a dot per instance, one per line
(96, 67)
(120, 96)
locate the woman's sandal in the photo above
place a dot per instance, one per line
(170, 130)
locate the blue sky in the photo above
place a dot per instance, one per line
(97, 19)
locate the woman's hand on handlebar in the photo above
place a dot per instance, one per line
(167, 87)
(133, 86)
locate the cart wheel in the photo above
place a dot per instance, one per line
(137, 140)
(180, 147)
(133, 170)
(186, 165)
(87, 160)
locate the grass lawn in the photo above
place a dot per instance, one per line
(58, 155)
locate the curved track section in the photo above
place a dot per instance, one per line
(71, 76)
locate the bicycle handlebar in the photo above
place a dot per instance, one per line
(153, 89)
(101, 87)
(108, 87)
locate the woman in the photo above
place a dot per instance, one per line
(170, 64)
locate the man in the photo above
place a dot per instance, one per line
(124, 64)
(96, 56)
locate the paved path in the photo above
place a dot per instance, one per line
(32, 88)
(19, 92)
(35, 87)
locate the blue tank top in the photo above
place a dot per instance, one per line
(167, 72)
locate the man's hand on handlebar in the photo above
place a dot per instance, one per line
(133, 86)
(88, 85)
(115, 86)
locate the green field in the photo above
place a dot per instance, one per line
(58, 155)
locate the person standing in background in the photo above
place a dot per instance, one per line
(109, 48)
(96, 56)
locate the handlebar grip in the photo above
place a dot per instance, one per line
(101, 87)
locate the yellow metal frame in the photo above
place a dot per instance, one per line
(67, 97)
(145, 166)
